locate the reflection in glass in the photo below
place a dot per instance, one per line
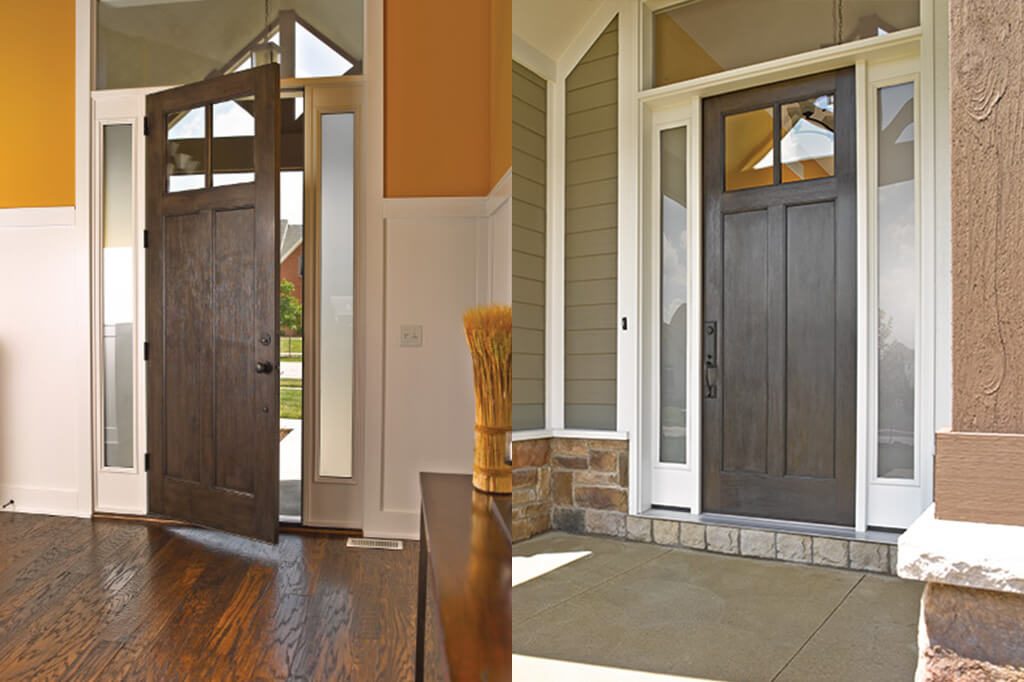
(897, 281)
(337, 224)
(186, 150)
(234, 129)
(748, 141)
(702, 37)
(118, 300)
(807, 139)
(314, 58)
(673, 296)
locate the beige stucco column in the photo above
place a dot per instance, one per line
(970, 546)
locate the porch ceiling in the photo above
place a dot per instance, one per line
(550, 26)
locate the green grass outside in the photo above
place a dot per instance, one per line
(291, 346)
(291, 383)
(291, 402)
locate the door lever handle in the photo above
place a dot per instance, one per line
(264, 367)
(711, 359)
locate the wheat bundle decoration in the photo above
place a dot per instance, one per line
(489, 335)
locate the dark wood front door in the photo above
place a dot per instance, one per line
(212, 302)
(779, 335)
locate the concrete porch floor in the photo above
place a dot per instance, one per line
(639, 607)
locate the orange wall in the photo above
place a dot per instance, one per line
(439, 94)
(37, 125)
(501, 88)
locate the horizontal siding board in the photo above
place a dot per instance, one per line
(592, 144)
(527, 340)
(528, 216)
(529, 167)
(527, 417)
(592, 293)
(528, 314)
(592, 120)
(604, 167)
(607, 45)
(591, 193)
(594, 243)
(531, 289)
(592, 217)
(527, 266)
(590, 392)
(592, 96)
(528, 116)
(521, 70)
(592, 341)
(586, 268)
(527, 391)
(534, 94)
(529, 141)
(527, 366)
(590, 417)
(527, 190)
(592, 367)
(527, 240)
(589, 317)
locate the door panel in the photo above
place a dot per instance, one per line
(212, 314)
(780, 304)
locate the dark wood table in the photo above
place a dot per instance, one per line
(464, 617)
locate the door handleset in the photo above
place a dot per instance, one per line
(711, 359)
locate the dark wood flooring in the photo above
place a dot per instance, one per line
(121, 600)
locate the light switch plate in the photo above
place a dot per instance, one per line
(412, 336)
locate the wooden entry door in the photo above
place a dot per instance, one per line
(779, 334)
(212, 284)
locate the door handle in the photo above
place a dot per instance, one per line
(711, 359)
(264, 367)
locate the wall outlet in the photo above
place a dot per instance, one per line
(412, 336)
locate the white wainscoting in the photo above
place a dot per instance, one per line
(442, 256)
(44, 362)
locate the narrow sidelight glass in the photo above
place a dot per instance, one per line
(897, 281)
(118, 296)
(337, 244)
(673, 296)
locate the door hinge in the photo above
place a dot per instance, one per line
(145, 125)
(145, 351)
(145, 239)
(146, 461)
(625, 326)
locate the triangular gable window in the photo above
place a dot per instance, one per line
(302, 51)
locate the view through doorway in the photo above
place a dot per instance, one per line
(292, 271)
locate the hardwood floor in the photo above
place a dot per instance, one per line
(115, 600)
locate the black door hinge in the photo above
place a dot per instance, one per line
(145, 125)
(145, 239)
(146, 461)
(624, 325)
(145, 351)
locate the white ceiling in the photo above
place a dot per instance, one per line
(550, 25)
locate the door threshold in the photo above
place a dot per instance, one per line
(284, 526)
(889, 537)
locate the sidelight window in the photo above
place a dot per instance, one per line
(897, 281)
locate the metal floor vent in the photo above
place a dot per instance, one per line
(372, 543)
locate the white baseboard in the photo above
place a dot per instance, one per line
(52, 501)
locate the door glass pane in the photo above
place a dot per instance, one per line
(186, 150)
(234, 130)
(118, 300)
(337, 224)
(897, 281)
(748, 149)
(673, 296)
(807, 139)
(314, 58)
(292, 247)
(702, 37)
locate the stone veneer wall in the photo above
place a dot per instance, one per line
(531, 488)
(589, 485)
